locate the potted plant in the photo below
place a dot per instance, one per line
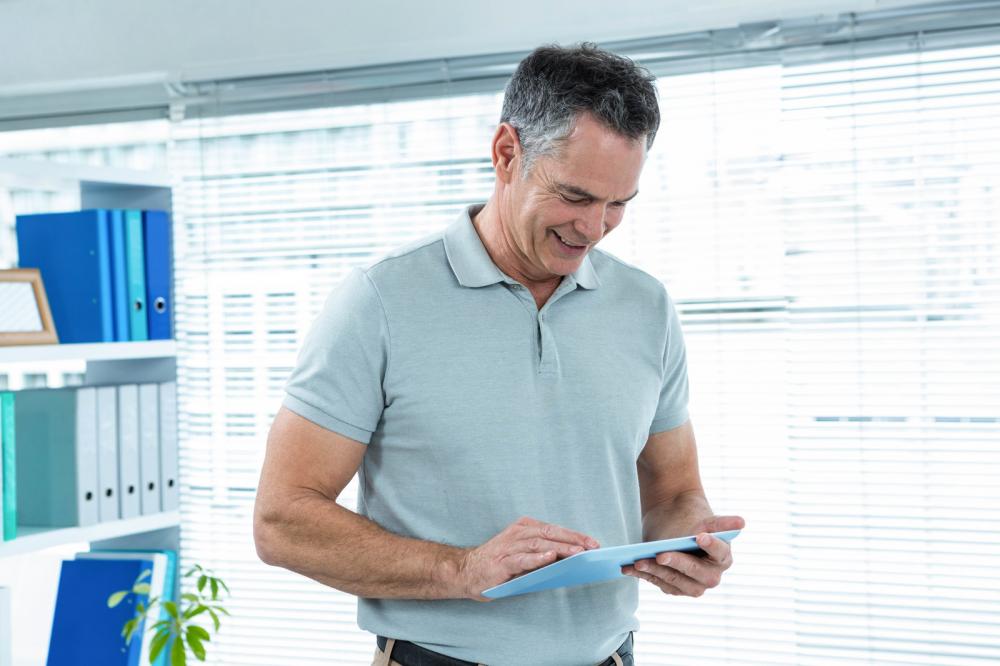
(180, 631)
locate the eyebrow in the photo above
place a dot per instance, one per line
(580, 192)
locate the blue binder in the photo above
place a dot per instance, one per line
(159, 305)
(72, 251)
(135, 252)
(84, 630)
(119, 276)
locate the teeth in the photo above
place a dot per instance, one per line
(564, 240)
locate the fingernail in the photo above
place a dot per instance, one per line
(592, 544)
(704, 539)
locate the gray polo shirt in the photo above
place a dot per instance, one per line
(479, 408)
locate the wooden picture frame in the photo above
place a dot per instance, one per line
(25, 317)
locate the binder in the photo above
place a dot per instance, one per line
(107, 453)
(119, 276)
(58, 461)
(169, 481)
(72, 251)
(149, 447)
(8, 460)
(158, 563)
(159, 304)
(128, 451)
(84, 630)
(136, 258)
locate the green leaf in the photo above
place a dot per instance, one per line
(171, 609)
(162, 624)
(215, 588)
(197, 647)
(226, 587)
(140, 609)
(193, 598)
(141, 588)
(201, 582)
(127, 630)
(199, 631)
(193, 611)
(116, 598)
(177, 655)
(221, 609)
(143, 575)
(215, 619)
(157, 645)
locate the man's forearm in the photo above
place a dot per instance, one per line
(675, 517)
(318, 538)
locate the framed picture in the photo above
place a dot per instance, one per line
(25, 318)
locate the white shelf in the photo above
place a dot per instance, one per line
(35, 538)
(37, 174)
(98, 351)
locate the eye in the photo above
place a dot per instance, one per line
(574, 201)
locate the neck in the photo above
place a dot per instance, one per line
(503, 251)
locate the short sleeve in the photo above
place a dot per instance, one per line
(672, 410)
(338, 377)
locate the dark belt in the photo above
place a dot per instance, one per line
(409, 654)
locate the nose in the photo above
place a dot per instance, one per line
(591, 225)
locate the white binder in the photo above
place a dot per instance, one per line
(169, 482)
(128, 450)
(58, 461)
(6, 630)
(149, 447)
(107, 453)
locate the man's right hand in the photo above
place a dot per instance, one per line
(524, 545)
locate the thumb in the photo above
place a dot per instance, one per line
(720, 524)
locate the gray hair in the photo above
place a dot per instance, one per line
(553, 85)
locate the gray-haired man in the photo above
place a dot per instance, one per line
(508, 395)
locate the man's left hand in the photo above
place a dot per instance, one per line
(687, 574)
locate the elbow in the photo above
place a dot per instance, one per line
(264, 538)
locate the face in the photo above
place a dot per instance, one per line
(570, 200)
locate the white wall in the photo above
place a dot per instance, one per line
(58, 45)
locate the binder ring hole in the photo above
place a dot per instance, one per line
(108, 492)
(89, 496)
(170, 483)
(152, 485)
(138, 306)
(131, 490)
(160, 304)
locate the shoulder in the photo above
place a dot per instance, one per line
(623, 276)
(407, 261)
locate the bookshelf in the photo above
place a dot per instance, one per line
(29, 564)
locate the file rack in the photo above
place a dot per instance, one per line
(106, 363)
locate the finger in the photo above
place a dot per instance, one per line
(556, 533)
(723, 524)
(522, 562)
(717, 549)
(704, 571)
(539, 545)
(688, 586)
(664, 586)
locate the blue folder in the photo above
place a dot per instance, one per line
(72, 251)
(119, 276)
(595, 566)
(159, 305)
(135, 253)
(84, 630)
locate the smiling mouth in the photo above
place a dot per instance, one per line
(566, 243)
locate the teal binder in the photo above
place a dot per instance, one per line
(136, 260)
(9, 466)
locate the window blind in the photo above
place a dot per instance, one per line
(827, 222)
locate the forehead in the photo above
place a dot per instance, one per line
(597, 159)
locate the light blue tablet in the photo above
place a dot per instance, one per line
(595, 566)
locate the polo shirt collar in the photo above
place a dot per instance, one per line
(473, 266)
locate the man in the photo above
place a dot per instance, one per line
(508, 395)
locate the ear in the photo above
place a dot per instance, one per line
(506, 152)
